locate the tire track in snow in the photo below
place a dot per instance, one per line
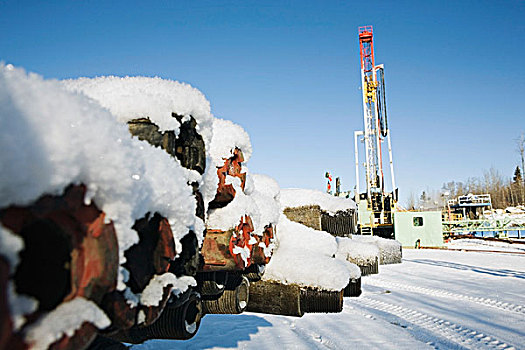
(310, 335)
(377, 282)
(463, 336)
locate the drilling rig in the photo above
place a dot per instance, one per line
(375, 206)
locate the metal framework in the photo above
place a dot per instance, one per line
(495, 227)
(374, 133)
(456, 221)
(476, 200)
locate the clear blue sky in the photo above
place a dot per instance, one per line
(288, 72)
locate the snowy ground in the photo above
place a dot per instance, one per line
(435, 299)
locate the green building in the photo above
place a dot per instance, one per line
(418, 228)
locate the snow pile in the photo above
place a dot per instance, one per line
(520, 209)
(230, 215)
(305, 257)
(481, 244)
(266, 194)
(143, 97)
(298, 197)
(359, 253)
(259, 200)
(226, 137)
(64, 320)
(390, 251)
(355, 271)
(510, 215)
(130, 98)
(67, 138)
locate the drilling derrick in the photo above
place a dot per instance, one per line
(376, 205)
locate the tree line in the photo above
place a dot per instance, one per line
(504, 191)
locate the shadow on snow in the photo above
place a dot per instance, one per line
(223, 331)
(478, 269)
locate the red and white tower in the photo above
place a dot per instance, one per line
(379, 203)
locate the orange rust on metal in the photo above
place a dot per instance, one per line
(241, 239)
(258, 255)
(93, 259)
(165, 251)
(232, 167)
(94, 264)
(217, 248)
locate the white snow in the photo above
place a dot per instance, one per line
(64, 320)
(19, 306)
(152, 293)
(52, 138)
(435, 299)
(10, 247)
(156, 98)
(244, 253)
(389, 250)
(298, 197)
(209, 181)
(230, 215)
(266, 194)
(143, 97)
(306, 257)
(258, 200)
(480, 244)
(226, 137)
(182, 284)
(357, 252)
(355, 271)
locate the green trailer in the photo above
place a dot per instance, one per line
(416, 229)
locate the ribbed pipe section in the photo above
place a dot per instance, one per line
(231, 301)
(254, 272)
(211, 288)
(275, 298)
(342, 224)
(353, 289)
(314, 300)
(371, 269)
(179, 323)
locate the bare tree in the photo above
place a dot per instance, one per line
(411, 202)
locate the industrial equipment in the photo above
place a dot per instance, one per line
(375, 205)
